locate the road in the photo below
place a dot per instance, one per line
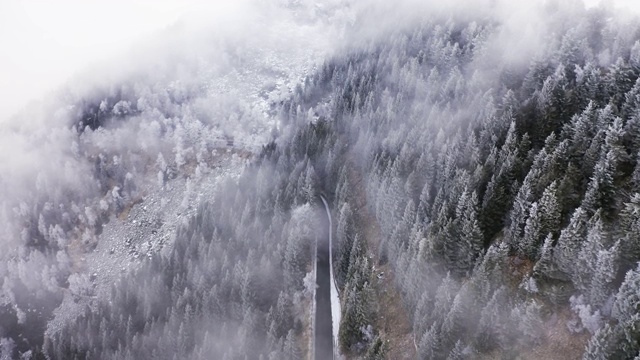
(323, 333)
(327, 301)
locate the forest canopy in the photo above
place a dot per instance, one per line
(482, 166)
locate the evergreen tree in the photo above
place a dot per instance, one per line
(619, 80)
(630, 233)
(605, 271)
(491, 328)
(627, 301)
(310, 184)
(528, 318)
(457, 353)
(550, 210)
(570, 241)
(602, 345)
(378, 350)
(519, 214)
(290, 349)
(345, 233)
(528, 247)
(430, 344)
(470, 239)
(587, 259)
(545, 266)
(353, 320)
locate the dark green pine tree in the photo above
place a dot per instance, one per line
(345, 233)
(470, 239)
(533, 230)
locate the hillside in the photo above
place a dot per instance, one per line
(481, 165)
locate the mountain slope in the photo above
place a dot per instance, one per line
(481, 165)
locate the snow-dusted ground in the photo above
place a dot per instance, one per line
(148, 229)
(261, 69)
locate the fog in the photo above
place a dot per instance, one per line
(132, 99)
(184, 75)
(44, 43)
(620, 4)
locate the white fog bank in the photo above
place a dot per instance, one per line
(44, 43)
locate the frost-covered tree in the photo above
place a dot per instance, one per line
(528, 246)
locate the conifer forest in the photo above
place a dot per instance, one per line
(335, 179)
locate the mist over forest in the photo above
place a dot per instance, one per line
(334, 179)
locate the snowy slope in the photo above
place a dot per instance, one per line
(187, 89)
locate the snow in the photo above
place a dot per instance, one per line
(238, 98)
(148, 230)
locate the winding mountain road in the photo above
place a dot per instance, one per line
(328, 312)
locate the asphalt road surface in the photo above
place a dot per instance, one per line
(324, 338)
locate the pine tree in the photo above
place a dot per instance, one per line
(454, 321)
(413, 187)
(631, 102)
(601, 191)
(356, 255)
(552, 101)
(619, 80)
(569, 189)
(528, 246)
(494, 206)
(630, 233)
(430, 345)
(585, 263)
(491, 327)
(400, 237)
(550, 210)
(632, 134)
(581, 130)
(294, 257)
(570, 241)
(422, 312)
(377, 350)
(614, 143)
(290, 349)
(528, 318)
(345, 233)
(310, 184)
(605, 271)
(627, 301)
(425, 204)
(470, 240)
(457, 353)
(353, 319)
(626, 309)
(545, 266)
(589, 87)
(635, 178)
(519, 214)
(602, 344)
